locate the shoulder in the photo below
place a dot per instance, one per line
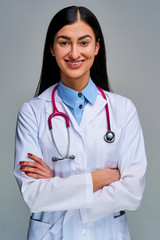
(121, 108)
(119, 101)
(40, 100)
(36, 106)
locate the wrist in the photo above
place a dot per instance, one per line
(98, 179)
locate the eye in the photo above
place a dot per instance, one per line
(64, 43)
(84, 43)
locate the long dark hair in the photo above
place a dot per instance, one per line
(50, 73)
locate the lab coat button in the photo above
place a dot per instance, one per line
(83, 231)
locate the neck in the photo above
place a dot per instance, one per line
(77, 84)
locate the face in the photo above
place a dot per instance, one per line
(75, 48)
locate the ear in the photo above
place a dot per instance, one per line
(52, 51)
(97, 47)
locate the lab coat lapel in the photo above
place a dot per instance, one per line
(91, 111)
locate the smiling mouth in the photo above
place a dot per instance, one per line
(77, 63)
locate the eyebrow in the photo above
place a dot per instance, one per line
(68, 38)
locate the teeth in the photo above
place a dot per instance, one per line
(74, 63)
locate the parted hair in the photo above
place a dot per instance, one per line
(50, 73)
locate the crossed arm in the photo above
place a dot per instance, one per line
(39, 170)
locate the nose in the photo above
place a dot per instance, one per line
(74, 53)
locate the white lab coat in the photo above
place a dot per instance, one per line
(65, 207)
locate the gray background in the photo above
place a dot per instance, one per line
(132, 34)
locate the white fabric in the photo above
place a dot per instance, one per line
(65, 206)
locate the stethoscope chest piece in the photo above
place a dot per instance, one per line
(109, 136)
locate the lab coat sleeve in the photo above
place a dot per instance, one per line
(125, 194)
(46, 194)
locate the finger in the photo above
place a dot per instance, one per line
(32, 164)
(34, 175)
(45, 173)
(36, 159)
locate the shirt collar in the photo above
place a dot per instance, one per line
(69, 96)
(90, 92)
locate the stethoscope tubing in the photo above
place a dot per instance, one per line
(108, 137)
(107, 109)
(61, 114)
(67, 152)
(56, 112)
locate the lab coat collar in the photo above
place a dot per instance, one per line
(47, 94)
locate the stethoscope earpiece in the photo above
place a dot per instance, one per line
(109, 136)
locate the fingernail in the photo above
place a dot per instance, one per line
(26, 173)
(22, 168)
(22, 162)
(29, 154)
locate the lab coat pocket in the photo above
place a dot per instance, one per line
(121, 228)
(107, 153)
(39, 230)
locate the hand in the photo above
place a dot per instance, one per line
(104, 177)
(36, 169)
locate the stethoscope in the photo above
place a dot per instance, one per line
(109, 137)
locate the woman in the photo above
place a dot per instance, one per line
(85, 195)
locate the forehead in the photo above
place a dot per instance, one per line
(75, 30)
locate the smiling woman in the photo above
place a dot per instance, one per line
(50, 73)
(83, 195)
(75, 48)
